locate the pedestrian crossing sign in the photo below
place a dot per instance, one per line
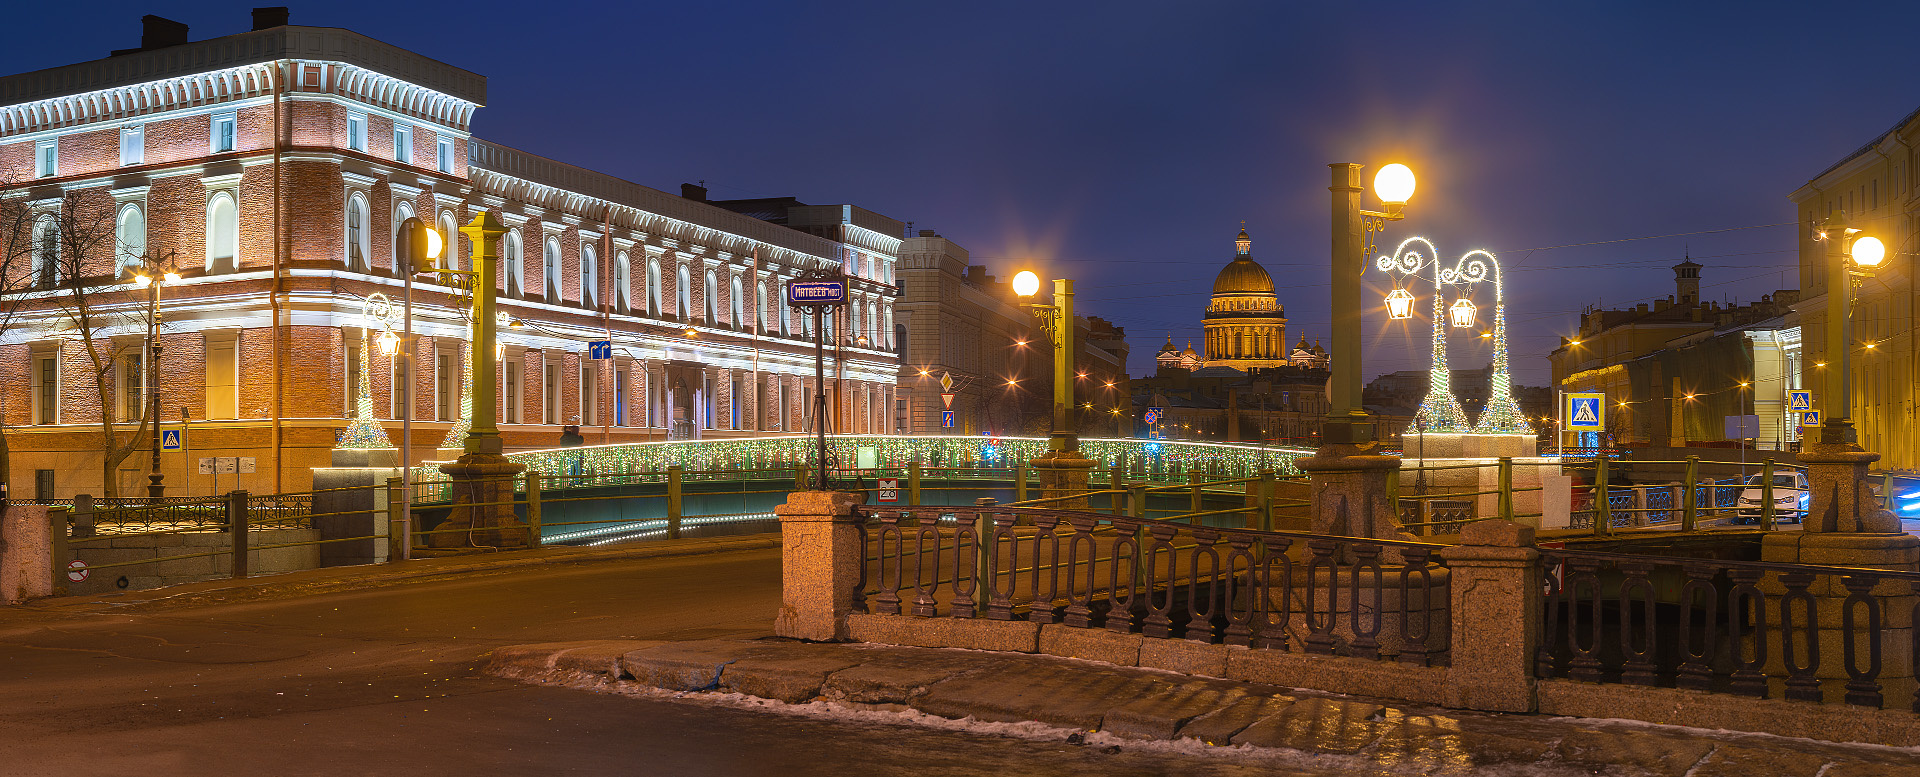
(171, 439)
(1799, 401)
(1809, 418)
(1587, 412)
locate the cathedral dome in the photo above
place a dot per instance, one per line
(1243, 275)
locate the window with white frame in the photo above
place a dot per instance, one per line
(653, 286)
(550, 393)
(712, 290)
(402, 210)
(133, 145)
(450, 241)
(589, 275)
(403, 144)
(359, 240)
(623, 282)
(739, 317)
(514, 258)
(589, 392)
(46, 251)
(357, 132)
(510, 392)
(762, 301)
(46, 159)
(550, 268)
(130, 239)
(223, 233)
(786, 317)
(683, 294)
(222, 133)
(443, 155)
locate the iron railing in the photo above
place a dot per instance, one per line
(1751, 628)
(1275, 590)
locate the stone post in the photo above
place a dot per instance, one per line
(822, 553)
(1064, 473)
(483, 479)
(1349, 491)
(27, 557)
(1496, 617)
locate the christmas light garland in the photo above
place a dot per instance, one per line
(364, 433)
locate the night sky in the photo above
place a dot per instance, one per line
(1123, 143)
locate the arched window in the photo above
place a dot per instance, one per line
(402, 210)
(853, 324)
(223, 234)
(550, 268)
(46, 251)
(623, 282)
(589, 275)
(359, 241)
(762, 301)
(712, 292)
(130, 239)
(653, 286)
(786, 318)
(893, 340)
(683, 293)
(514, 258)
(450, 242)
(873, 326)
(739, 317)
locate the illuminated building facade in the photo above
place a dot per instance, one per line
(271, 170)
(1245, 325)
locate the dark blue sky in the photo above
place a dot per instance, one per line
(1122, 143)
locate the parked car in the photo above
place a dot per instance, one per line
(1790, 496)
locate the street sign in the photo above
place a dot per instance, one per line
(946, 398)
(599, 349)
(77, 571)
(1587, 411)
(889, 489)
(946, 381)
(1799, 401)
(1810, 418)
(1153, 414)
(206, 465)
(1743, 427)
(816, 294)
(946, 419)
(173, 439)
(246, 465)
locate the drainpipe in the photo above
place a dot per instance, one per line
(274, 292)
(606, 319)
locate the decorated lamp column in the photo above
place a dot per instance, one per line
(364, 433)
(1439, 411)
(1502, 414)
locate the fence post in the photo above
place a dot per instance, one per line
(85, 514)
(533, 509)
(823, 555)
(1640, 516)
(1020, 481)
(1137, 500)
(1766, 497)
(1196, 498)
(673, 502)
(913, 484)
(1116, 483)
(1689, 514)
(1266, 499)
(399, 527)
(57, 547)
(1602, 498)
(237, 530)
(1496, 601)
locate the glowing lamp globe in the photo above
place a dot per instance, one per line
(389, 343)
(1399, 304)
(1026, 284)
(142, 281)
(1869, 251)
(1462, 313)
(433, 242)
(1393, 184)
(172, 277)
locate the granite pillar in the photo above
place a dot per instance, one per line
(822, 552)
(1496, 617)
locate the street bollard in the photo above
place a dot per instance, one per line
(533, 509)
(673, 502)
(237, 529)
(1689, 513)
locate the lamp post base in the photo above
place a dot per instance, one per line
(1839, 498)
(1349, 491)
(1064, 474)
(156, 486)
(482, 503)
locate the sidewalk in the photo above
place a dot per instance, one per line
(1101, 705)
(331, 579)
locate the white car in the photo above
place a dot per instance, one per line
(1790, 497)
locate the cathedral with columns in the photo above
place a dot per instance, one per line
(1246, 327)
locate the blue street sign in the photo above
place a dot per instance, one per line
(946, 418)
(1799, 401)
(1586, 411)
(599, 349)
(816, 293)
(1810, 418)
(172, 440)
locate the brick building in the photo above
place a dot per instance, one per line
(271, 170)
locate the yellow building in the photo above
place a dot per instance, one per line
(1873, 188)
(1246, 327)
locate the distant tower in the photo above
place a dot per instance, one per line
(1245, 325)
(1686, 282)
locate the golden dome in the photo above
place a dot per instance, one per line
(1243, 275)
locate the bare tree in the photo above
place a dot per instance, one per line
(64, 271)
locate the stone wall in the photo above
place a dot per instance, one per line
(107, 550)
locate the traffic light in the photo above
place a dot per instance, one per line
(422, 245)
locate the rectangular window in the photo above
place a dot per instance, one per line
(223, 132)
(443, 156)
(133, 384)
(402, 380)
(590, 394)
(403, 144)
(550, 393)
(444, 407)
(354, 379)
(619, 397)
(46, 390)
(512, 393)
(133, 145)
(46, 159)
(223, 396)
(357, 132)
(734, 402)
(43, 484)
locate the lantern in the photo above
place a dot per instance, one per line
(1399, 304)
(389, 343)
(1462, 313)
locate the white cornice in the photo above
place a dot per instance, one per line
(358, 180)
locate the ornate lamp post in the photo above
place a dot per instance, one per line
(156, 485)
(1063, 471)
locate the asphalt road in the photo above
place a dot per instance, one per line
(385, 681)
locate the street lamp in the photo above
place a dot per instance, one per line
(1850, 260)
(1462, 313)
(1353, 233)
(156, 485)
(1399, 304)
(1056, 322)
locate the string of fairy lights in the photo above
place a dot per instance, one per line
(1440, 411)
